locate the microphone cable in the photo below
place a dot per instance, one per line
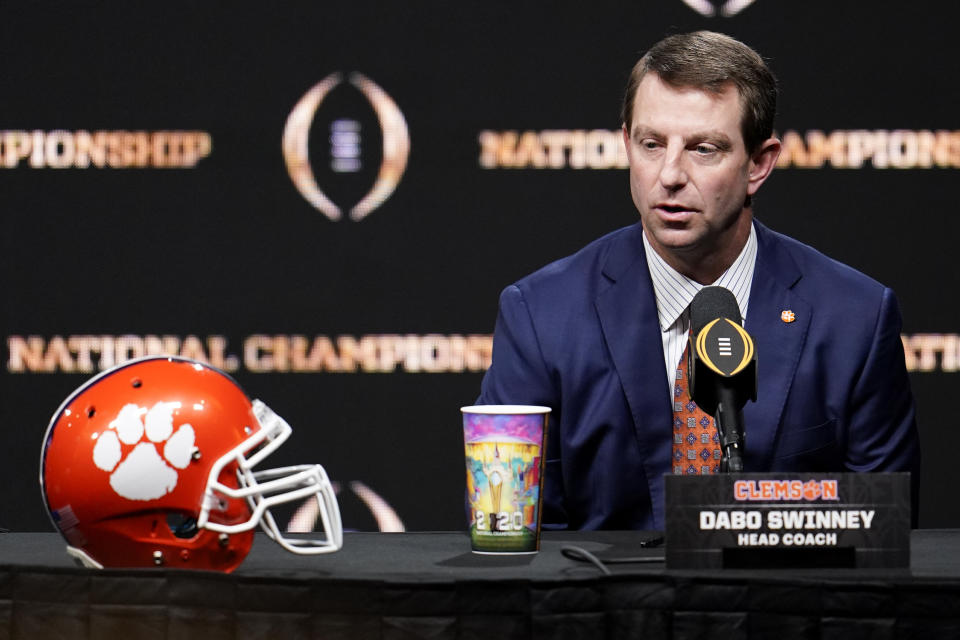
(580, 554)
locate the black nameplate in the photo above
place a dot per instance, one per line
(757, 520)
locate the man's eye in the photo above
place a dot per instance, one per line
(705, 149)
(649, 144)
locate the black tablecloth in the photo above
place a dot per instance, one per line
(429, 585)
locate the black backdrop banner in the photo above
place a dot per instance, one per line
(325, 200)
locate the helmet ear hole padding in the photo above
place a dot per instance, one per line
(182, 525)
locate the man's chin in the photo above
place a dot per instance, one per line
(676, 239)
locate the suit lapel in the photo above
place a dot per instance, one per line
(628, 315)
(778, 343)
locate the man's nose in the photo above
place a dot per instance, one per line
(673, 171)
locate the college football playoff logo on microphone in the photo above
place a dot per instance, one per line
(722, 358)
(725, 347)
(349, 136)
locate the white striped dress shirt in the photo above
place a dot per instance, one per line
(674, 292)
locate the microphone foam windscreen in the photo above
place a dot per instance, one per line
(711, 303)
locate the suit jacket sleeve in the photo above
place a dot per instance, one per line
(883, 431)
(519, 375)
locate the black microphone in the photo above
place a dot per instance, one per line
(722, 366)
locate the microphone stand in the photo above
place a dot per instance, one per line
(730, 429)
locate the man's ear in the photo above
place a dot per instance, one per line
(762, 162)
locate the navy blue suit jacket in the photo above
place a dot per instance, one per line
(581, 336)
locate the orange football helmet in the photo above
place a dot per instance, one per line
(151, 463)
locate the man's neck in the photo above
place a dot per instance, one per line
(706, 265)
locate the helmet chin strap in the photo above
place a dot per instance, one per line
(81, 558)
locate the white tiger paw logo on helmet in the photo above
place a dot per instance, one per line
(143, 474)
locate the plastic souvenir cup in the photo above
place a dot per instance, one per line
(504, 447)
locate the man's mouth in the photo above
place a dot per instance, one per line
(674, 209)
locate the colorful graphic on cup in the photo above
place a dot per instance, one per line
(504, 446)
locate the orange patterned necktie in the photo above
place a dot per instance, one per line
(696, 443)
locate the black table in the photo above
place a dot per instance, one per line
(429, 585)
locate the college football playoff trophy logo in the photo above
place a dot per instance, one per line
(711, 8)
(342, 150)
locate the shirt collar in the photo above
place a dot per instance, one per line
(674, 291)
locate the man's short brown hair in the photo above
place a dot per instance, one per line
(709, 61)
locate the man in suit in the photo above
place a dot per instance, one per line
(598, 336)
